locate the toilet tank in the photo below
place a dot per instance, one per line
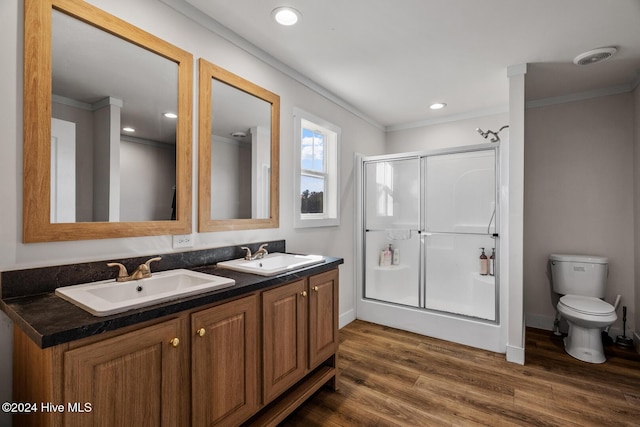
(579, 274)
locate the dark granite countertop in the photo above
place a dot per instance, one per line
(50, 320)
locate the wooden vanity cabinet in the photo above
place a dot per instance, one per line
(323, 317)
(224, 360)
(284, 323)
(131, 379)
(135, 378)
(202, 367)
(300, 331)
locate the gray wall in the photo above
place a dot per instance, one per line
(147, 179)
(579, 196)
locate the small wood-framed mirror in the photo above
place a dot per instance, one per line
(87, 76)
(239, 152)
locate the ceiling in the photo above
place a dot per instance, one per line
(390, 60)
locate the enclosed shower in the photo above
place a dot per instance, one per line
(426, 223)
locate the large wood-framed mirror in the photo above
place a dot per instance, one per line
(88, 75)
(239, 152)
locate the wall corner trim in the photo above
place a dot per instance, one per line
(515, 354)
(346, 318)
(516, 70)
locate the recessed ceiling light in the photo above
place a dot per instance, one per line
(128, 129)
(170, 115)
(437, 105)
(286, 16)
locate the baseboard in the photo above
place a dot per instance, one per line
(539, 321)
(346, 318)
(515, 355)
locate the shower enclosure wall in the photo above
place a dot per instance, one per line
(434, 211)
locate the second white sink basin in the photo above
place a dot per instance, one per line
(110, 297)
(272, 264)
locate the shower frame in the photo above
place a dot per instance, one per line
(391, 312)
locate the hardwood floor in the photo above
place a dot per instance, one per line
(395, 378)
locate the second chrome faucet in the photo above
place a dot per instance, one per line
(259, 254)
(142, 272)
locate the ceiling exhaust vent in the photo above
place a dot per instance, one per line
(595, 55)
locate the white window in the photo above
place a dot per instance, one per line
(316, 182)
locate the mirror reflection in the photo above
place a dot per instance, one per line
(87, 76)
(239, 152)
(113, 152)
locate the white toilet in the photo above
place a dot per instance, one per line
(582, 280)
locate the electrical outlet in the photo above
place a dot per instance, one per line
(183, 241)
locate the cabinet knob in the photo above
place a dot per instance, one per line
(303, 293)
(175, 342)
(315, 288)
(201, 332)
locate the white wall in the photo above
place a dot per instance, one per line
(445, 135)
(160, 20)
(83, 120)
(579, 196)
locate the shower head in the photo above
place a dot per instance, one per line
(495, 137)
(486, 134)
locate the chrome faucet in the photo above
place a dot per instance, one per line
(260, 253)
(143, 271)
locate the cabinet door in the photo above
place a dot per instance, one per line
(284, 337)
(225, 363)
(323, 317)
(132, 379)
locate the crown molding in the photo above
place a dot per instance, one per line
(216, 27)
(581, 96)
(447, 119)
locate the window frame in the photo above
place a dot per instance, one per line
(331, 174)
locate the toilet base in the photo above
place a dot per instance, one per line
(584, 344)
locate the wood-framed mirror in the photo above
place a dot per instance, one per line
(239, 152)
(88, 75)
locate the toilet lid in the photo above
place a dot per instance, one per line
(587, 305)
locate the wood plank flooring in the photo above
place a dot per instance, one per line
(395, 378)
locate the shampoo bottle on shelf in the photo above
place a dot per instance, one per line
(492, 262)
(395, 260)
(484, 263)
(388, 256)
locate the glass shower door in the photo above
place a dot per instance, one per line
(459, 220)
(392, 238)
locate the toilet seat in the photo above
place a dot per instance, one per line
(586, 305)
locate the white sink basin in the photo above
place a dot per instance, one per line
(272, 264)
(110, 297)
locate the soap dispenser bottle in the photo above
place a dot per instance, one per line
(484, 263)
(395, 256)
